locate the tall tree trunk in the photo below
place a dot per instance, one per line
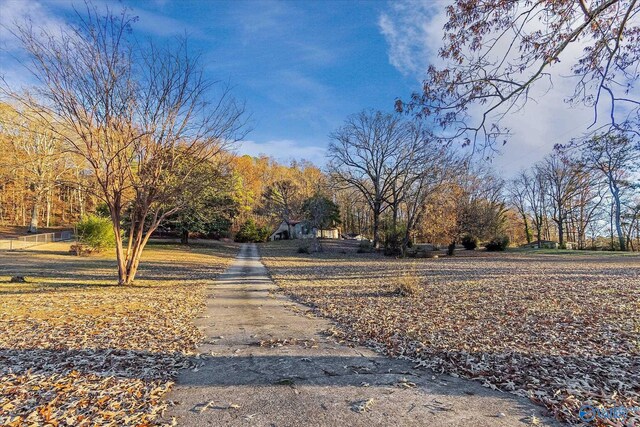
(527, 232)
(376, 223)
(561, 232)
(48, 208)
(33, 224)
(120, 256)
(618, 219)
(611, 228)
(539, 230)
(405, 242)
(394, 216)
(540, 238)
(81, 202)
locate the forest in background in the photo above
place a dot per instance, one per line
(427, 192)
(136, 133)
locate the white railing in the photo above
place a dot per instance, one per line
(35, 240)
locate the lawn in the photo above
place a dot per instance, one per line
(76, 350)
(560, 329)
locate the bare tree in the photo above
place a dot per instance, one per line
(496, 51)
(481, 205)
(282, 199)
(131, 112)
(535, 187)
(586, 204)
(436, 165)
(414, 152)
(563, 183)
(616, 158)
(369, 153)
(354, 210)
(518, 188)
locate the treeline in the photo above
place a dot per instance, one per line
(42, 184)
(585, 195)
(400, 187)
(39, 184)
(386, 180)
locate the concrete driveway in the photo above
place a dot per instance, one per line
(266, 362)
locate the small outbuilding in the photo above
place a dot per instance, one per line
(549, 244)
(302, 230)
(353, 236)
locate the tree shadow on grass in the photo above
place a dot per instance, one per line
(72, 272)
(88, 368)
(301, 367)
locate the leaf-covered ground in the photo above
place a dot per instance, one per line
(560, 329)
(77, 351)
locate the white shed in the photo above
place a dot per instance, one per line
(302, 230)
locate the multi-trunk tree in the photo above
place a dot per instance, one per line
(616, 158)
(372, 152)
(131, 111)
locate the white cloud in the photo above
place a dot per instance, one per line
(14, 62)
(48, 17)
(414, 33)
(283, 150)
(18, 12)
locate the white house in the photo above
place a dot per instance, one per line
(353, 236)
(302, 230)
(550, 244)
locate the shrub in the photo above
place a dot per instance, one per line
(218, 227)
(408, 284)
(451, 248)
(94, 234)
(393, 244)
(263, 233)
(365, 247)
(249, 232)
(498, 243)
(469, 242)
(304, 248)
(102, 210)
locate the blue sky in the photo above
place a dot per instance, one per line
(303, 66)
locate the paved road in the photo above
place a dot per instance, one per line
(299, 377)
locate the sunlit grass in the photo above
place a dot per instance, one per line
(119, 345)
(557, 326)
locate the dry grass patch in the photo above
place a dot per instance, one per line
(558, 329)
(407, 284)
(76, 350)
